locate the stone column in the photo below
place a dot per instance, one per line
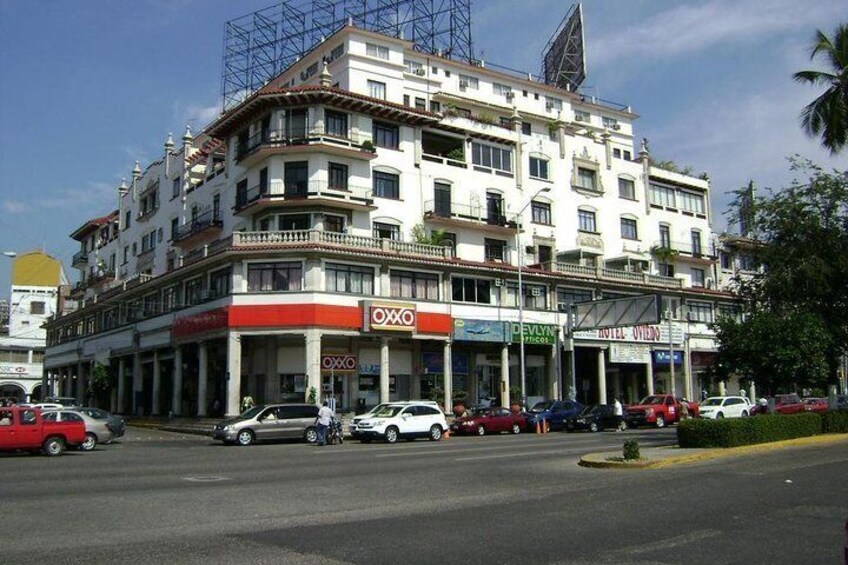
(80, 392)
(272, 375)
(122, 385)
(650, 375)
(553, 376)
(202, 377)
(415, 385)
(687, 371)
(157, 384)
(752, 392)
(722, 388)
(448, 376)
(136, 382)
(233, 373)
(602, 377)
(177, 393)
(313, 363)
(384, 369)
(505, 375)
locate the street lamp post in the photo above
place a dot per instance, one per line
(518, 225)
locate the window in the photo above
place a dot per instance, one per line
(193, 291)
(442, 199)
(665, 236)
(535, 296)
(377, 89)
(386, 185)
(296, 178)
(494, 209)
(581, 116)
(408, 284)
(37, 307)
(335, 224)
(170, 298)
(666, 269)
(495, 249)
(386, 135)
(349, 279)
(336, 53)
(616, 153)
(491, 157)
(541, 212)
(386, 231)
(626, 154)
(692, 202)
(700, 312)
(629, 229)
(501, 89)
(587, 178)
(586, 221)
(695, 236)
(175, 188)
(175, 224)
(420, 104)
(538, 168)
(698, 277)
(338, 176)
(626, 189)
(526, 128)
(379, 51)
(126, 254)
(568, 296)
(730, 311)
(335, 123)
(414, 67)
(725, 261)
(290, 222)
(471, 290)
(466, 81)
(127, 219)
(279, 276)
(435, 107)
(610, 123)
(663, 196)
(747, 262)
(553, 103)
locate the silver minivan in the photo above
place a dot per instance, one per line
(269, 422)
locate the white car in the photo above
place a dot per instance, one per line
(353, 428)
(408, 420)
(716, 407)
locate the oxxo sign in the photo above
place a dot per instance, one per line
(390, 317)
(338, 363)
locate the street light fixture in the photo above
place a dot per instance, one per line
(10, 254)
(518, 226)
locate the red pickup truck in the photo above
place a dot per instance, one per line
(657, 410)
(23, 429)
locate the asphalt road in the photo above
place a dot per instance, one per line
(157, 497)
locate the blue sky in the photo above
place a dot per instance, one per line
(87, 88)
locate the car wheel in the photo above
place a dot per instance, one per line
(435, 432)
(744, 413)
(481, 431)
(310, 435)
(54, 446)
(89, 443)
(391, 434)
(245, 437)
(719, 416)
(660, 421)
(516, 429)
(593, 427)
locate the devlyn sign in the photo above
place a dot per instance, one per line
(503, 332)
(543, 334)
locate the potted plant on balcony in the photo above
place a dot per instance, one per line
(663, 254)
(368, 146)
(456, 154)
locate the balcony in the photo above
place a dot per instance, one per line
(80, 259)
(311, 193)
(274, 142)
(472, 216)
(616, 275)
(318, 238)
(144, 215)
(144, 261)
(684, 251)
(203, 226)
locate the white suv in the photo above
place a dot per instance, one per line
(407, 420)
(353, 428)
(716, 407)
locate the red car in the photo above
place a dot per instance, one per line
(484, 421)
(24, 429)
(815, 404)
(783, 404)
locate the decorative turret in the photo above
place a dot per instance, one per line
(325, 78)
(188, 139)
(169, 143)
(123, 189)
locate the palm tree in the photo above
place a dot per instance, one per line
(827, 115)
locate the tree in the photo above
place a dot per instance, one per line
(827, 115)
(794, 326)
(436, 237)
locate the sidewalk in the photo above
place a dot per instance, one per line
(658, 457)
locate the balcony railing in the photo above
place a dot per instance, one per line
(460, 211)
(300, 237)
(445, 160)
(80, 258)
(300, 136)
(687, 248)
(203, 221)
(148, 213)
(311, 189)
(605, 273)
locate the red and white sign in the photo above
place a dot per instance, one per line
(14, 369)
(338, 363)
(391, 317)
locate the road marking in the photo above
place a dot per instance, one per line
(206, 479)
(522, 454)
(668, 543)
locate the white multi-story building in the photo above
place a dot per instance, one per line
(357, 228)
(36, 282)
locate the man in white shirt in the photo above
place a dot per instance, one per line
(619, 414)
(325, 416)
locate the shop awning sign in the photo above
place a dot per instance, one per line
(7, 369)
(389, 317)
(540, 334)
(630, 353)
(338, 363)
(478, 330)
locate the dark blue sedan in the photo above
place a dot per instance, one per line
(554, 412)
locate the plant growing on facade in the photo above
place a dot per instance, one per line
(312, 398)
(553, 127)
(456, 154)
(368, 146)
(436, 237)
(450, 109)
(663, 254)
(485, 118)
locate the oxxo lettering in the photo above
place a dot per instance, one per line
(392, 316)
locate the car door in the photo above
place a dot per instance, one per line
(408, 422)
(501, 420)
(303, 417)
(267, 424)
(733, 407)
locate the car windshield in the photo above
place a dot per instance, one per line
(95, 413)
(388, 411)
(712, 402)
(652, 400)
(478, 412)
(251, 412)
(541, 407)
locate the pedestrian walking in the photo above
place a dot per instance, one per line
(742, 392)
(618, 410)
(325, 416)
(704, 394)
(247, 403)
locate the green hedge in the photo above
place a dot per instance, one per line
(747, 431)
(835, 422)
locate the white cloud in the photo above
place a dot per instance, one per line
(690, 28)
(201, 116)
(15, 206)
(97, 196)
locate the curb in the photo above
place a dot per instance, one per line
(600, 460)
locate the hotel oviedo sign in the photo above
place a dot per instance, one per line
(646, 333)
(389, 317)
(539, 334)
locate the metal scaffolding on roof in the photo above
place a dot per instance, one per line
(260, 45)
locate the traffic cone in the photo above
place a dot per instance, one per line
(547, 427)
(446, 434)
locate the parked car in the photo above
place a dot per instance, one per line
(269, 422)
(353, 427)
(783, 404)
(815, 404)
(842, 401)
(484, 421)
(658, 410)
(96, 431)
(115, 423)
(47, 405)
(62, 400)
(409, 421)
(554, 412)
(717, 407)
(596, 417)
(26, 429)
